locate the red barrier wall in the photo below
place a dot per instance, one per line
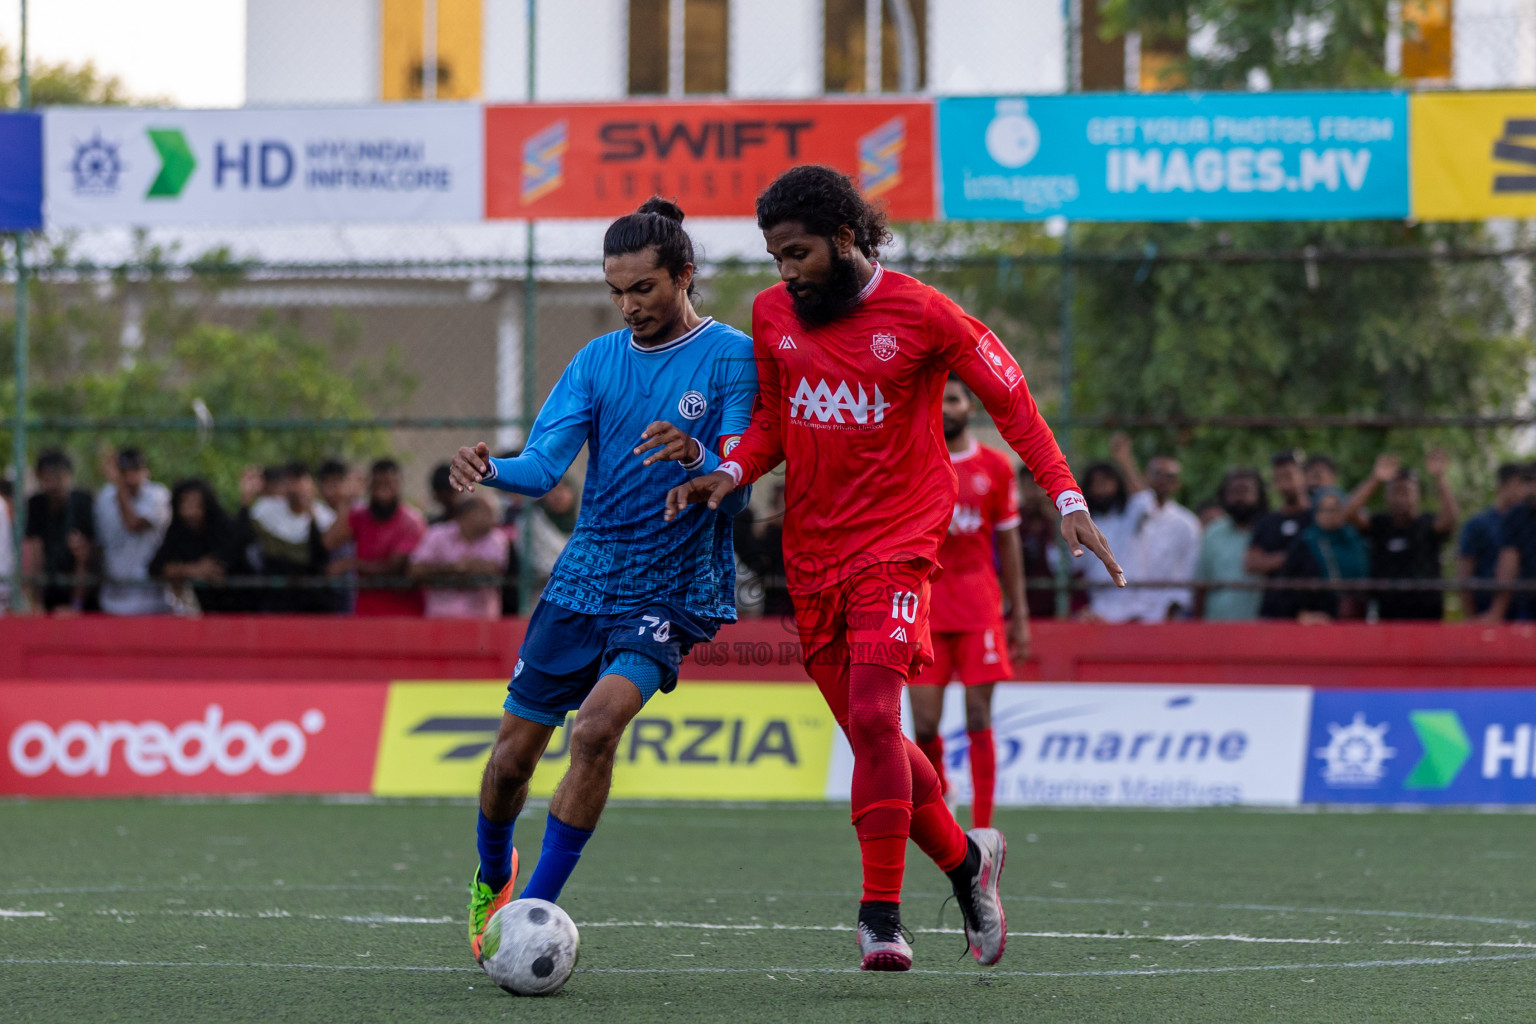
(308, 648)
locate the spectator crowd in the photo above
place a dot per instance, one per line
(303, 541)
(1290, 544)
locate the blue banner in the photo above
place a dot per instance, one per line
(1422, 747)
(1175, 156)
(21, 172)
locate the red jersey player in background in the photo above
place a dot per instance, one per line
(969, 639)
(852, 360)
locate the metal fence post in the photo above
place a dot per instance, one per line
(1064, 429)
(23, 343)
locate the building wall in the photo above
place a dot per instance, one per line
(303, 52)
(790, 65)
(977, 48)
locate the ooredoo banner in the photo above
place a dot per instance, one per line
(706, 741)
(714, 158)
(105, 166)
(136, 738)
(1176, 156)
(1129, 745)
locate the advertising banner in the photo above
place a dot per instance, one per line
(106, 166)
(1129, 745)
(705, 741)
(1175, 156)
(1422, 747)
(603, 160)
(1474, 155)
(136, 738)
(21, 172)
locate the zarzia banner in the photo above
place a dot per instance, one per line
(105, 166)
(603, 160)
(136, 738)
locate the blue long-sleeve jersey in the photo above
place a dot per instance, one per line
(622, 553)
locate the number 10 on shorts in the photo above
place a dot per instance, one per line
(904, 605)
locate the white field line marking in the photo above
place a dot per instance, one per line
(23, 913)
(275, 915)
(957, 931)
(1134, 972)
(1086, 901)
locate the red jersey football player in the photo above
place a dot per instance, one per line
(852, 360)
(969, 639)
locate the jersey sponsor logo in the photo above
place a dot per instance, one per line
(965, 519)
(884, 346)
(899, 633)
(786, 342)
(692, 405)
(729, 445)
(828, 405)
(1000, 360)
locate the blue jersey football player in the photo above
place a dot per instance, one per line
(657, 403)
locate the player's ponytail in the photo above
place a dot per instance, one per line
(658, 224)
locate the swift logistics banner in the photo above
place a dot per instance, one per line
(603, 160)
(105, 166)
(1474, 155)
(21, 172)
(1175, 156)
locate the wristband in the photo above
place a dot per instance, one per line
(732, 470)
(1068, 502)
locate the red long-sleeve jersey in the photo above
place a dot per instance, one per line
(854, 407)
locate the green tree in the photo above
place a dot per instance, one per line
(65, 84)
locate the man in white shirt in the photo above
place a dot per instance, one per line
(1119, 515)
(1167, 545)
(132, 513)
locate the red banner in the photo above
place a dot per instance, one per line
(133, 738)
(713, 158)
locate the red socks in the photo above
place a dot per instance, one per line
(983, 777)
(933, 750)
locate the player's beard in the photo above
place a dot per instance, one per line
(953, 428)
(819, 304)
(1241, 512)
(383, 511)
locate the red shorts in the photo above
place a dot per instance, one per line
(978, 658)
(878, 617)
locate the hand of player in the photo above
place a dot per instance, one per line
(1080, 531)
(675, 445)
(1018, 637)
(468, 467)
(712, 487)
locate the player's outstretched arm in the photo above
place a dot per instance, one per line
(1080, 531)
(711, 488)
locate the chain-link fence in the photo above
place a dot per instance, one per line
(1220, 345)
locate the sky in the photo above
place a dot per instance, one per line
(190, 51)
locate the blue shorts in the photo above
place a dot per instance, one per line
(565, 653)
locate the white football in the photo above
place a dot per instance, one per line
(529, 947)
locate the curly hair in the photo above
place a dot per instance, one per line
(823, 200)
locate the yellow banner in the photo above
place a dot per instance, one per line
(1473, 155)
(705, 741)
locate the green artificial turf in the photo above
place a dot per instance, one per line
(323, 911)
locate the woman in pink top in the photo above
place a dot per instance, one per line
(467, 545)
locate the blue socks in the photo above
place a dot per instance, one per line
(494, 841)
(562, 849)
